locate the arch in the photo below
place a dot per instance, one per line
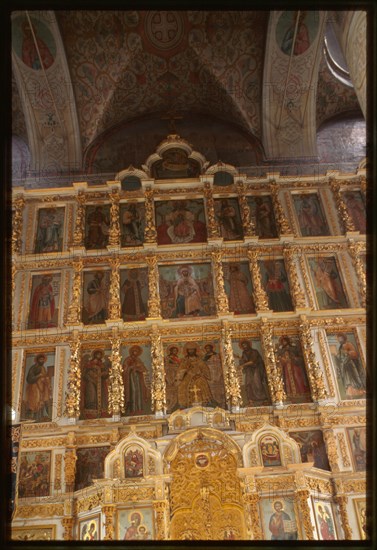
(115, 462)
(223, 178)
(289, 451)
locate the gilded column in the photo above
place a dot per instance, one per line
(74, 380)
(274, 375)
(260, 296)
(222, 304)
(345, 219)
(78, 235)
(108, 512)
(74, 310)
(297, 292)
(212, 226)
(341, 501)
(251, 500)
(154, 308)
(302, 496)
(312, 366)
(70, 459)
(68, 528)
(247, 222)
(355, 249)
(160, 508)
(116, 393)
(18, 204)
(284, 227)
(232, 386)
(150, 233)
(158, 384)
(114, 236)
(332, 451)
(114, 298)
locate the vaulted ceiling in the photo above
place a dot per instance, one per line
(90, 85)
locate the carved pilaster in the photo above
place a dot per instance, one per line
(345, 219)
(260, 296)
(222, 304)
(74, 310)
(281, 220)
(247, 222)
(356, 248)
(70, 459)
(114, 236)
(116, 393)
(332, 451)
(74, 381)
(297, 292)
(78, 235)
(341, 501)
(212, 226)
(18, 205)
(114, 298)
(252, 500)
(158, 384)
(312, 366)
(274, 375)
(302, 497)
(150, 233)
(68, 528)
(160, 508)
(232, 387)
(154, 307)
(108, 512)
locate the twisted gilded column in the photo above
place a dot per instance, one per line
(312, 366)
(281, 220)
(74, 310)
(78, 235)
(150, 233)
(232, 386)
(259, 294)
(72, 404)
(247, 222)
(114, 236)
(332, 451)
(274, 375)
(252, 500)
(160, 508)
(154, 306)
(345, 219)
(18, 205)
(109, 511)
(68, 524)
(114, 298)
(302, 496)
(341, 500)
(158, 385)
(222, 304)
(212, 226)
(116, 393)
(70, 459)
(356, 248)
(298, 295)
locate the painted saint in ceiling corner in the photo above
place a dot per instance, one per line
(33, 42)
(296, 31)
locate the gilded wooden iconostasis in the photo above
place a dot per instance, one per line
(189, 355)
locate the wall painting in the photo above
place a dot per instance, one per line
(38, 385)
(310, 215)
(270, 451)
(134, 294)
(34, 474)
(180, 221)
(133, 462)
(44, 301)
(263, 217)
(294, 41)
(137, 379)
(354, 202)
(175, 163)
(348, 365)
(90, 528)
(312, 448)
(358, 443)
(50, 230)
(275, 283)
(132, 223)
(194, 374)
(135, 524)
(251, 372)
(186, 291)
(89, 465)
(95, 381)
(360, 505)
(97, 226)
(324, 519)
(290, 360)
(327, 283)
(279, 518)
(35, 46)
(227, 212)
(238, 287)
(96, 285)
